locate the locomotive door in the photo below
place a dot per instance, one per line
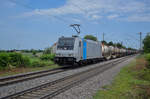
(80, 50)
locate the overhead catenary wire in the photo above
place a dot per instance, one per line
(132, 39)
(56, 17)
(129, 37)
(127, 41)
(32, 8)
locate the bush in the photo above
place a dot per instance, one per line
(148, 57)
(47, 57)
(4, 60)
(36, 64)
(34, 53)
(146, 44)
(47, 51)
(17, 59)
(25, 61)
(8, 60)
(13, 59)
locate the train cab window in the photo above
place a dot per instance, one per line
(66, 44)
(80, 44)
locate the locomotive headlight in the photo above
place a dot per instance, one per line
(71, 55)
(58, 54)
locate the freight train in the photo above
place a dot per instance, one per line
(75, 50)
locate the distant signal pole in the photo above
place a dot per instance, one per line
(140, 40)
(103, 36)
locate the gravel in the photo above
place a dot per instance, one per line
(13, 88)
(88, 88)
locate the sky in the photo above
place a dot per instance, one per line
(37, 24)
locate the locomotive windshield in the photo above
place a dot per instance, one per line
(65, 44)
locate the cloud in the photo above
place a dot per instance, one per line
(97, 9)
(95, 17)
(139, 18)
(112, 16)
(9, 4)
(77, 20)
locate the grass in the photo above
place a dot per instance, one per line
(25, 70)
(129, 83)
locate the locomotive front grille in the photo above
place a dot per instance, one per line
(64, 60)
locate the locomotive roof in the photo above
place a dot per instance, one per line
(81, 38)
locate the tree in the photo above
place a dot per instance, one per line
(110, 43)
(90, 37)
(124, 47)
(129, 48)
(119, 45)
(146, 43)
(104, 42)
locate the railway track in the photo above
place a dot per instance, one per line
(28, 76)
(4, 81)
(53, 88)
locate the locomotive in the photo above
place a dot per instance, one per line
(72, 50)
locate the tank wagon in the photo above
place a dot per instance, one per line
(71, 50)
(106, 52)
(111, 52)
